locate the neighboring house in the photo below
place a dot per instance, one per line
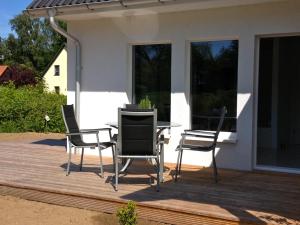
(5, 73)
(191, 57)
(55, 76)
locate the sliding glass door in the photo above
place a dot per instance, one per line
(278, 124)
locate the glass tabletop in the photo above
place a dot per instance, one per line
(160, 124)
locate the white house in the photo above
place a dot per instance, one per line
(190, 57)
(55, 75)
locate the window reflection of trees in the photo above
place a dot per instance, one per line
(152, 76)
(214, 83)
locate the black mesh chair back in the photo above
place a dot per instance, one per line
(71, 124)
(137, 138)
(74, 137)
(137, 132)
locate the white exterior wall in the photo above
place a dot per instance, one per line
(106, 72)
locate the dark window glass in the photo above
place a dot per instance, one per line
(264, 85)
(152, 76)
(56, 70)
(214, 66)
(57, 89)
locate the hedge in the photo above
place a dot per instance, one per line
(23, 109)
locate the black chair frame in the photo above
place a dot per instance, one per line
(74, 137)
(208, 135)
(137, 140)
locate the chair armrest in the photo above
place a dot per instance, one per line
(83, 132)
(200, 131)
(198, 135)
(96, 129)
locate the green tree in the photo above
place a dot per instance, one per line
(34, 43)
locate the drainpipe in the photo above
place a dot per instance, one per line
(54, 25)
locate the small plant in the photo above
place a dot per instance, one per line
(127, 214)
(145, 103)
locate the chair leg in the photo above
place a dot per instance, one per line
(116, 173)
(69, 160)
(101, 162)
(158, 174)
(215, 166)
(161, 159)
(81, 159)
(113, 154)
(179, 171)
(177, 165)
(100, 156)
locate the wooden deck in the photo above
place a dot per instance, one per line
(35, 170)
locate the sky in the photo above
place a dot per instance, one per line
(8, 10)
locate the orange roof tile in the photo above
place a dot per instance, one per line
(3, 68)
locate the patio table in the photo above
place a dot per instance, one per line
(161, 126)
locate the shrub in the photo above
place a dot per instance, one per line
(23, 109)
(127, 214)
(145, 103)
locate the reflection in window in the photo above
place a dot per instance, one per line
(214, 66)
(152, 76)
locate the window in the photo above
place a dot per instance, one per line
(57, 89)
(214, 66)
(278, 109)
(56, 70)
(152, 76)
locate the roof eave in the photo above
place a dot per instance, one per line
(96, 7)
(121, 5)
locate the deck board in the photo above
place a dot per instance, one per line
(37, 172)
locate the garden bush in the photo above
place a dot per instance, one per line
(127, 214)
(23, 109)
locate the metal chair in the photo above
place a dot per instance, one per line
(137, 138)
(131, 106)
(210, 135)
(74, 137)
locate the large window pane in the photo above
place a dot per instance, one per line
(214, 66)
(152, 76)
